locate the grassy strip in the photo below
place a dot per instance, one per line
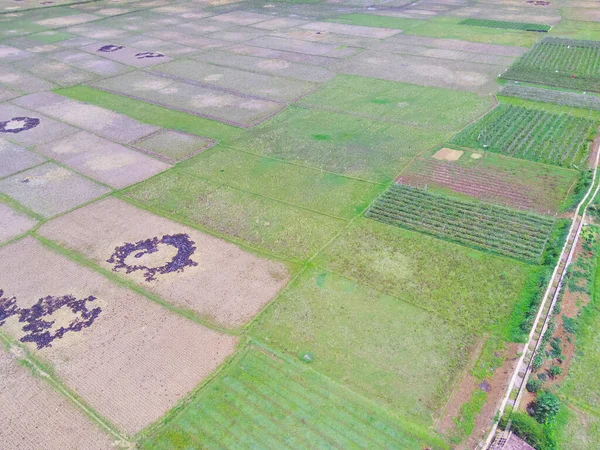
(506, 25)
(558, 97)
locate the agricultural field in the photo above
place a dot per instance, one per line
(534, 134)
(292, 224)
(566, 63)
(479, 225)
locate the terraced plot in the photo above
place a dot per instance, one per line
(263, 401)
(506, 25)
(533, 134)
(478, 225)
(567, 63)
(564, 98)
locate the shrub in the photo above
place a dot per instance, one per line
(554, 371)
(534, 385)
(556, 351)
(542, 376)
(570, 324)
(528, 429)
(547, 406)
(538, 360)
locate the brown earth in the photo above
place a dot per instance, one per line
(134, 362)
(224, 284)
(32, 414)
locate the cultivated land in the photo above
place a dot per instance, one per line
(298, 224)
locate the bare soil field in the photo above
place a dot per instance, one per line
(120, 351)
(189, 269)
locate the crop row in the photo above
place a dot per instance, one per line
(532, 134)
(559, 62)
(563, 98)
(480, 225)
(506, 25)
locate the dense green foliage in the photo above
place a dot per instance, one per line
(533, 134)
(528, 429)
(480, 225)
(506, 25)
(534, 385)
(564, 98)
(546, 407)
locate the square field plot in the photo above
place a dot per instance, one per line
(339, 143)
(275, 226)
(22, 81)
(103, 160)
(90, 63)
(262, 401)
(104, 122)
(189, 269)
(30, 128)
(479, 225)
(471, 289)
(50, 189)
(390, 101)
(55, 71)
(246, 83)
(184, 96)
(356, 335)
(14, 158)
(126, 55)
(33, 413)
(566, 63)
(129, 358)
(13, 223)
(533, 134)
(174, 145)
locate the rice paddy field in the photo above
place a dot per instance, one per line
(301, 224)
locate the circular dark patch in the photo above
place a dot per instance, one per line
(38, 329)
(110, 48)
(143, 55)
(27, 123)
(182, 242)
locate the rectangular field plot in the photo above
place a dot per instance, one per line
(495, 178)
(470, 289)
(32, 413)
(389, 101)
(479, 225)
(127, 357)
(233, 109)
(357, 335)
(339, 143)
(506, 25)
(563, 98)
(559, 62)
(274, 226)
(184, 266)
(265, 402)
(533, 134)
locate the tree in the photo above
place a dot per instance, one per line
(534, 385)
(547, 406)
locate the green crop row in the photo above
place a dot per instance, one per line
(563, 98)
(506, 25)
(479, 225)
(533, 134)
(559, 62)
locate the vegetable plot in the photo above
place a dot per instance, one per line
(506, 25)
(479, 225)
(533, 134)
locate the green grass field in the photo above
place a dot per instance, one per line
(377, 344)
(265, 401)
(506, 25)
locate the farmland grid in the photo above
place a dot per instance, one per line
(480, 225)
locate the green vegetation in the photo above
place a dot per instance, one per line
(533, 134)
(506, 25)
(407, 104)
(465, 422)
(528, 429)
(266, 401)
(347, 145)
(479, 225)
(559, 97)
(374, 343)
(270, 225)
(546, 407)
(576, 30)
(469, 288)
(370, 20)
(566, 63)
(152, 114)
(534, 385)
(314, 189)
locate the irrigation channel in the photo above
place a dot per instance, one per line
(516, 388)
